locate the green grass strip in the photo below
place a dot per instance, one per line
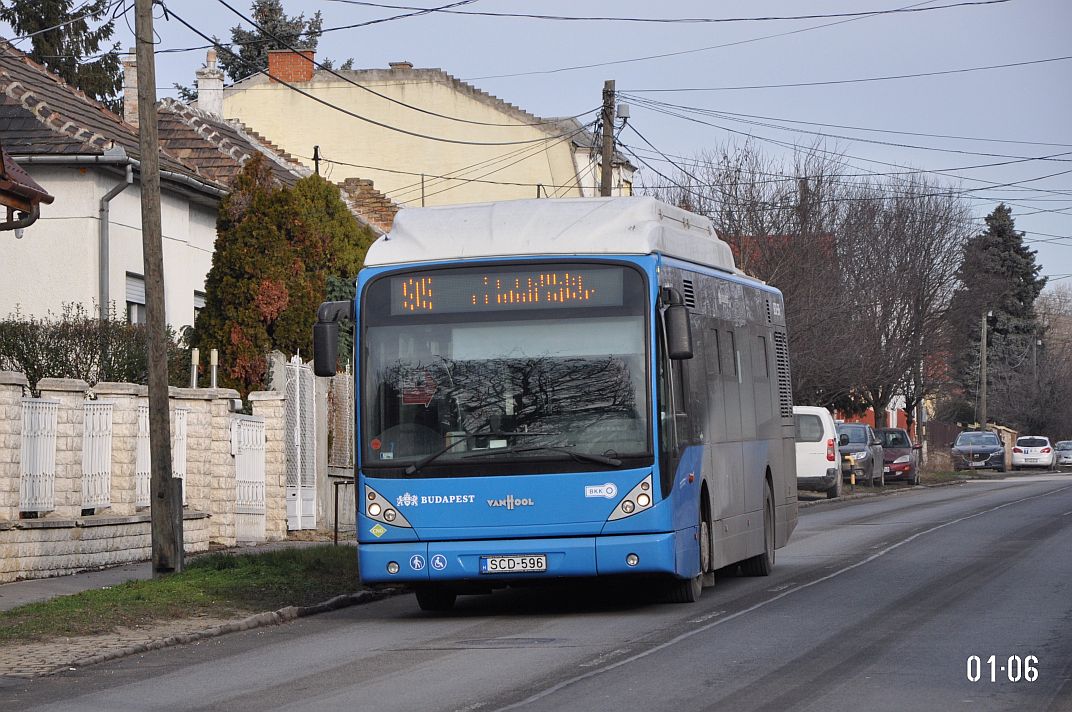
(212, 585)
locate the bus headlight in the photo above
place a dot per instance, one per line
(637, 500)
(379, 508)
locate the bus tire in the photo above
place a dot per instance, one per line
(762, 564)
(435, 598)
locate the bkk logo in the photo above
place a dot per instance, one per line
(608, 490)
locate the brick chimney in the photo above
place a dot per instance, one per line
(130, 88)
(287, 66)
(210, 86)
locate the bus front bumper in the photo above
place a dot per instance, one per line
(663, 553)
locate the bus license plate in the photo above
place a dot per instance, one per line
(513, 564)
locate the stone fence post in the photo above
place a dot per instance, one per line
(224, 493)
(199, 403)
(12, 385)
(125, 399)
(71, 393)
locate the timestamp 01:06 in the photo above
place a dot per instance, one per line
(1014, 668)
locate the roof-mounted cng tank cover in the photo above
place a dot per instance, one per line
(326, 336)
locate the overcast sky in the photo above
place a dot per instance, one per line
(526, 61)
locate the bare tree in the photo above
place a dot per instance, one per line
(867, 267)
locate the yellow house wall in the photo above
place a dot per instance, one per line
(296, 123)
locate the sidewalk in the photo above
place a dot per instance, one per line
(26, 660)
(20, 593)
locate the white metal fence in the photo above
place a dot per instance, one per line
(97, 455)
(300, 438)
(341, 420)
(38, 455)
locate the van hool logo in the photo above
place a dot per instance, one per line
(511, 502)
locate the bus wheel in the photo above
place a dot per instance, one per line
(762, 564)
(688, 590)
(434, 598)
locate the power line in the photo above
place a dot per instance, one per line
(783, 144)
(73, 20)
(719, 112)
(355, 115)
(673, 20)
(680, 53)
(660, 107)
(385, 97)
(860, 80)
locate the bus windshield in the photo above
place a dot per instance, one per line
(536, 369)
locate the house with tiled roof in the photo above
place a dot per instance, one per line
(421, 136)
(86, 249)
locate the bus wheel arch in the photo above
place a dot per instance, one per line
(762, 563)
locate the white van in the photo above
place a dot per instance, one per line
(818, 459)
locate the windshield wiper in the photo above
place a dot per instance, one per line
(579, 455)
(415, 467)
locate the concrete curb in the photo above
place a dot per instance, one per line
(258, 620)
(869, 495)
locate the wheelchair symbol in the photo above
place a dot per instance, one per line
(439, 562)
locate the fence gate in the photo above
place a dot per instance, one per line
(247, 446)
(300, 437)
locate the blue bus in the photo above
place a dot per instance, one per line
(550, 389)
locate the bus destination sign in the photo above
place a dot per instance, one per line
(472, 291)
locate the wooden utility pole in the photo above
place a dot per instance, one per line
(607, 170)
(165, 494)
(982, 374)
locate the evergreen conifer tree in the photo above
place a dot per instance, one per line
(276, 250)
(999, 275)
(63, 40)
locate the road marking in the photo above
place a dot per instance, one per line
(707, 617)
(604, 657)
(696, 631)
(1067, 514)
(776, 589)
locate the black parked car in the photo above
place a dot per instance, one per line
(978, 450)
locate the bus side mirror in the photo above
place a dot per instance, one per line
(326, 336)
(325, 347)
(678, 332)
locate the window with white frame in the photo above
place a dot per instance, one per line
(136, 312)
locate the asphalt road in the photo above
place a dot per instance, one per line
(876, 604)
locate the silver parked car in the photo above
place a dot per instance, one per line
(860, 441)
(1064, 453)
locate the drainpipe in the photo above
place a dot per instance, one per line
(103, 242)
